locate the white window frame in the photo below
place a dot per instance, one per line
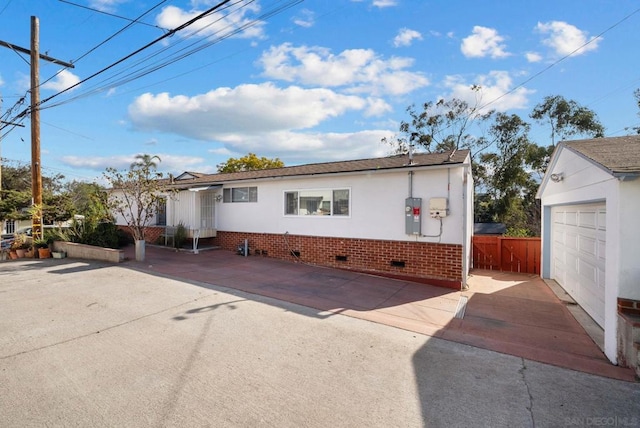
(300, 193)
(229, 194)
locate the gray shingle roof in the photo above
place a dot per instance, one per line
(392, 162)
(619, 155)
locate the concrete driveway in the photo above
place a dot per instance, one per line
(90, 344)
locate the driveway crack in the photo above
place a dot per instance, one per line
(526, 384)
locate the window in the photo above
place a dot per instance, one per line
(161, 214)
(240, 194)
(317, 202)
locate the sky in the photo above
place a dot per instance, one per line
(304, 81)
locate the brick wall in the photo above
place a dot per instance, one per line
(628, 306)
(151, 233)
(437, 264)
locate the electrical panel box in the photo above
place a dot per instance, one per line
(413, 216)
(438, 207)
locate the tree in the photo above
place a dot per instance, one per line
(15, 199)
(135, 195)
(146, 160)
(250, 162)
(90, 200)
(442, 126)
(567, 118)
(506, 176)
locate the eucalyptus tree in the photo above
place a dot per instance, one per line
(506, 186)
(567, 118)
(443, 125)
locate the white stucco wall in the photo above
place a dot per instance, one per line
(584, 182)
(377, 206)
(628, 239)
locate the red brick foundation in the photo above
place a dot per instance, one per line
(628, 307)
(151, 233)
(431, 263)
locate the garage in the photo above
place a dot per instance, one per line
(590, 200)
(578, 254)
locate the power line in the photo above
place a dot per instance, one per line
(560, 60)
(137, 51)
(132, 21)
(123, 29)
(132, 73)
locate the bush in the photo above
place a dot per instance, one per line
(518, 232)
(102, 235)
(181, 236)
(124, 238)
(58, 234)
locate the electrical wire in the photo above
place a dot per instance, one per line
(133, 21)
(134, 73)
(560, 60)
(108, 39)
(145, 71)
(137, 51)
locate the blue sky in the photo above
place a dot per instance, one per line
(309, 81)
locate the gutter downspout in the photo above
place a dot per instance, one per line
(465, 245)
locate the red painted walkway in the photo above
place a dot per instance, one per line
(509, 313)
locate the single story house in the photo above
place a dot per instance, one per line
(399, 216)
(590, 197)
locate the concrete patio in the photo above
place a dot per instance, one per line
(513, 314)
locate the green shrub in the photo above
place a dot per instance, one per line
(518, 232)
(102, 235)
(181, 236)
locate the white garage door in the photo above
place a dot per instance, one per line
(578, 254)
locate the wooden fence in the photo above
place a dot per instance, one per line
(506, 254)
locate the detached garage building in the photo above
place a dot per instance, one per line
(591, 234)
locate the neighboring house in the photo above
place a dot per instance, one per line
(591, 234)
(392, 216)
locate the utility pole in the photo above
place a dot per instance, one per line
(36, 169)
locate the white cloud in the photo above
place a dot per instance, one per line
(484, 42)
(495, 88)
(533, 57)
(106, 5)
(306, 18)
(565, 38)
(384, 3)
(405, 37)
(377, 107)
(1, 81)
(297, 147)
(356, 70)
(63, 80)
(243, 110)
(220, 24)
(167, 162)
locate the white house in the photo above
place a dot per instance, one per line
(395, 216)
(590, 198)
